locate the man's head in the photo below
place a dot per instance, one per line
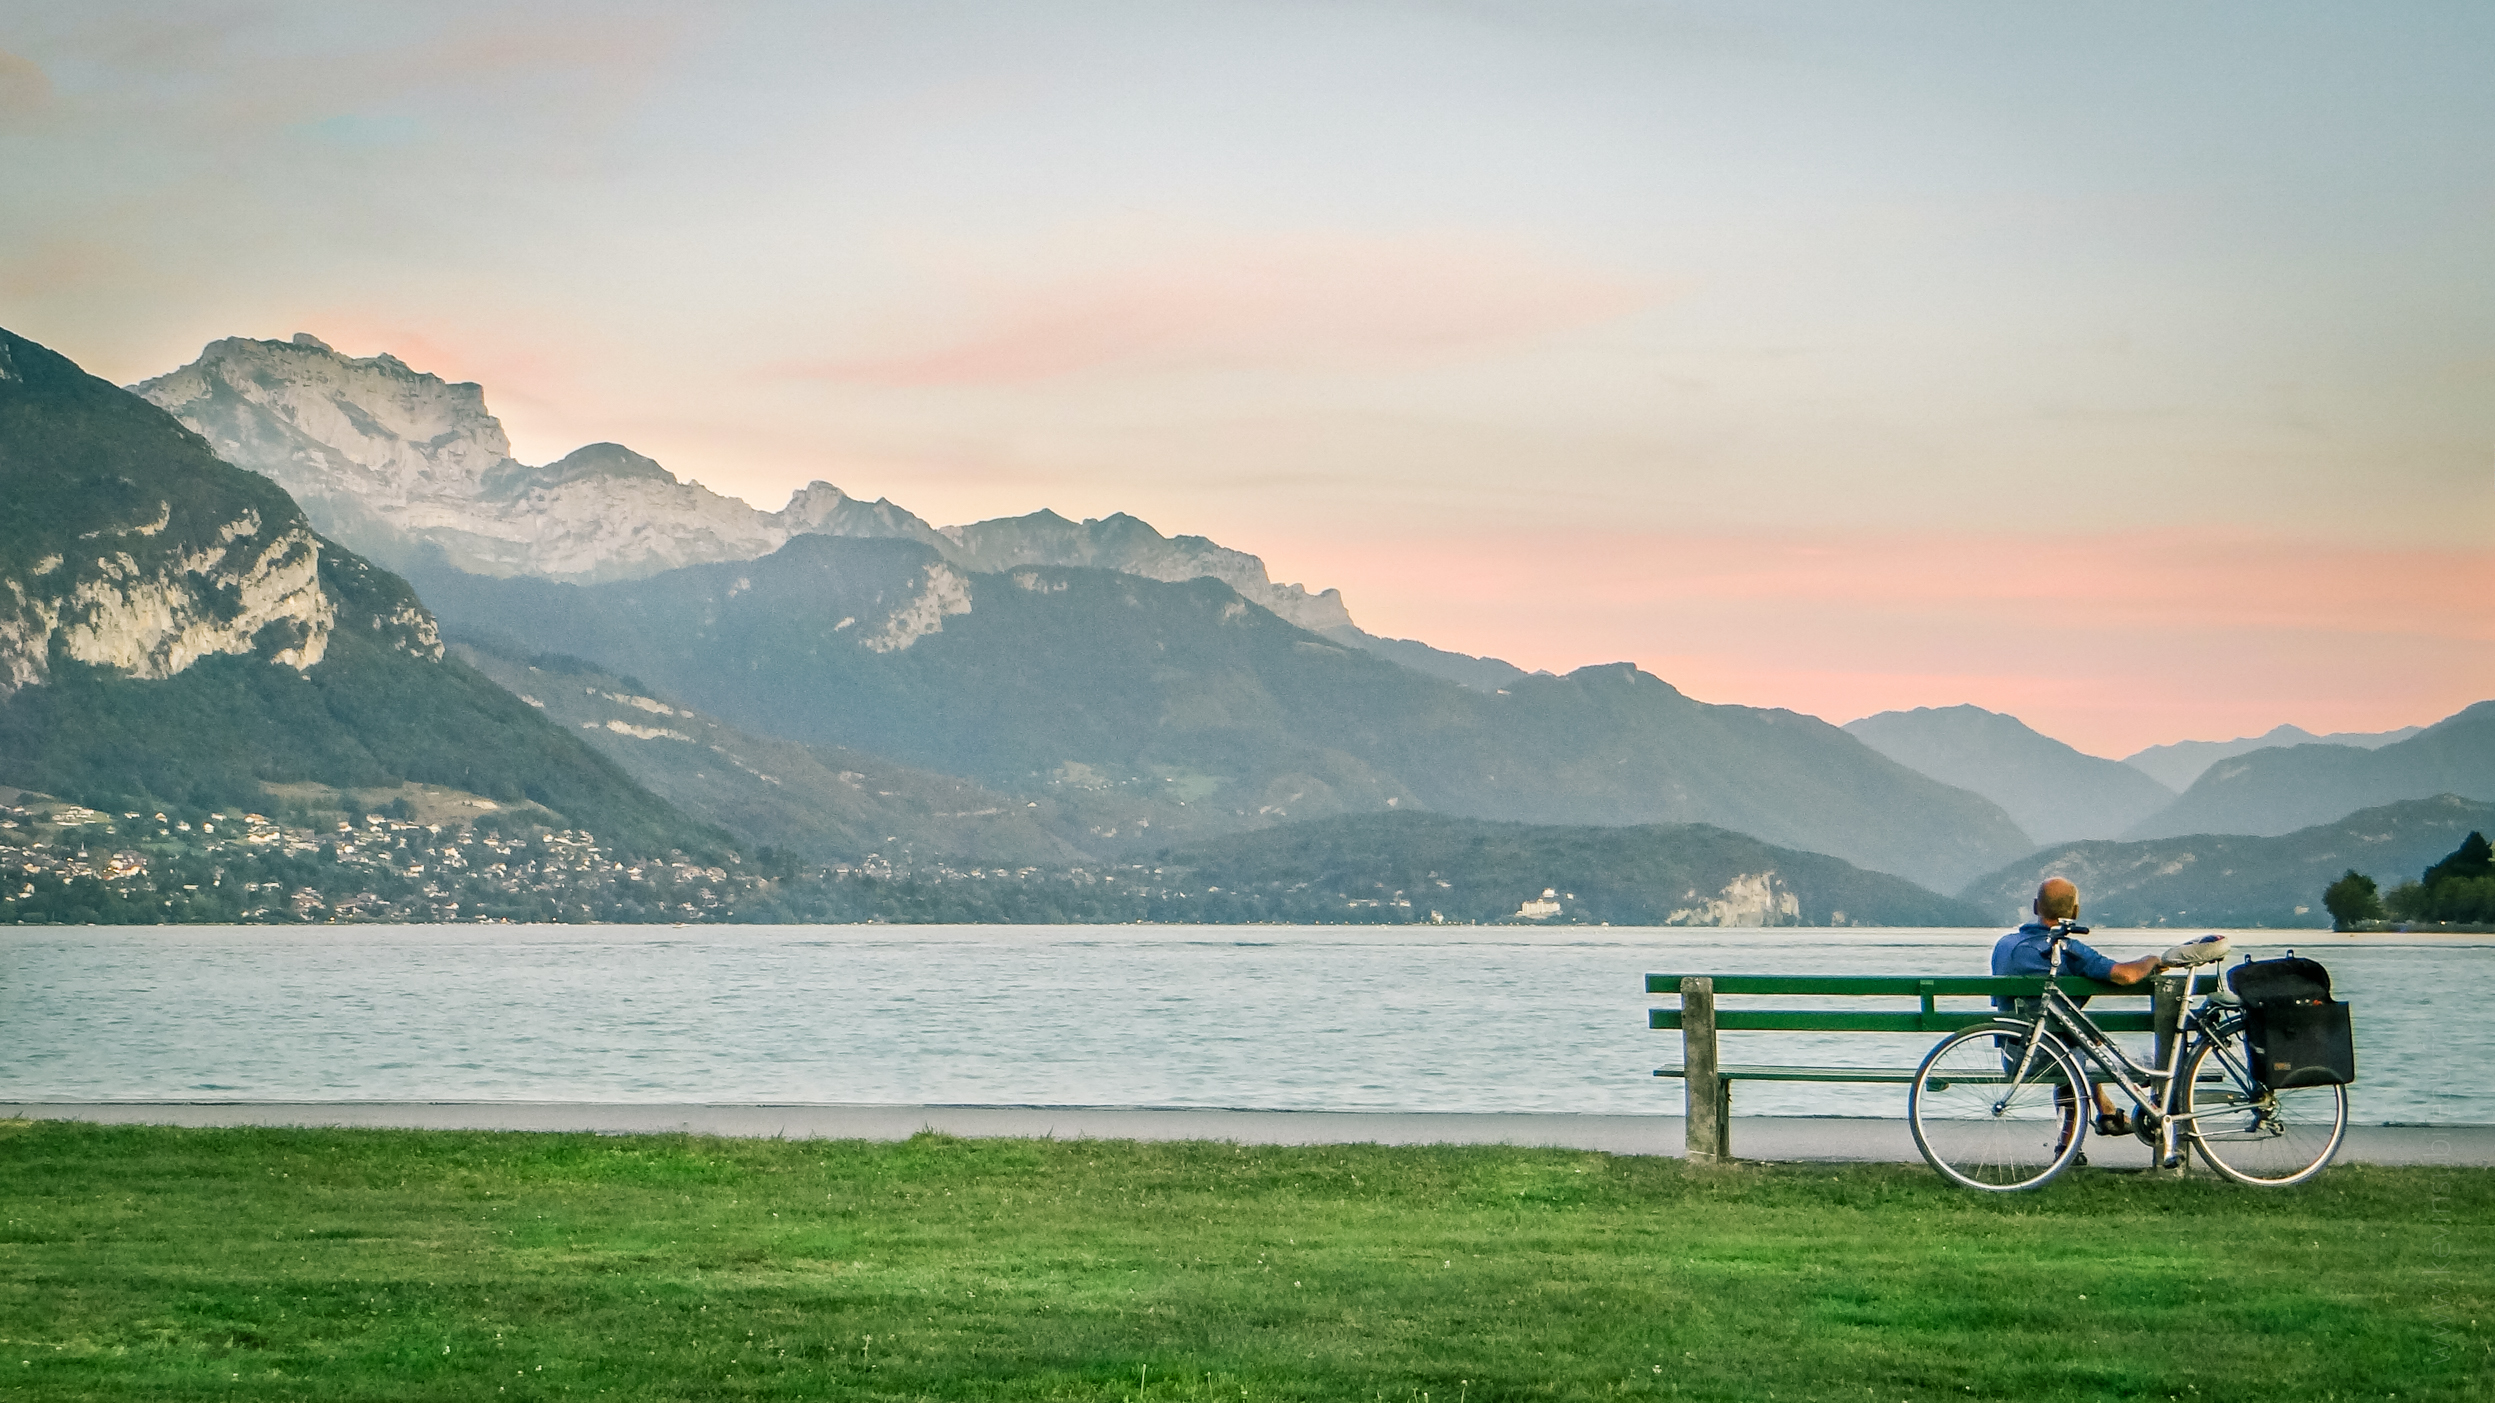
(2057, 900)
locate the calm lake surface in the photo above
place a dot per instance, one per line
(1334, 1018)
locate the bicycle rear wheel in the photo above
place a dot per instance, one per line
(1983, 1132)
(2252, 1134)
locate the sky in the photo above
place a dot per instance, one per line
(2129, 368)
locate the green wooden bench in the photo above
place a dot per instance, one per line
(1709, 1081)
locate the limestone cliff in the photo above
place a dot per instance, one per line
(117, 558)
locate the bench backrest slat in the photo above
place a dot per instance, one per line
(1761, 1020)
(1910, 986)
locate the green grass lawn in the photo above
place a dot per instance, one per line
(160, 1263)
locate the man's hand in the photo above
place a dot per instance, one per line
(2133, 971)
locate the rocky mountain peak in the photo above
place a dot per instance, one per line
(405, 466)
(820, 509)
(597, 460)
(372, 426)
(1130, 546)
(815, 503)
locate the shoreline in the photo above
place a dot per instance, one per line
(1413, 932)
(1797, 1139)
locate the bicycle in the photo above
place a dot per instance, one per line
(2003, 1106)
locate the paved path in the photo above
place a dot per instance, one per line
(1754, 1137)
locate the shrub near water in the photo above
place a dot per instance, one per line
(158, 1263)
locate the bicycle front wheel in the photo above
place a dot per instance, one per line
(1981, 1129)
(2253, 1134)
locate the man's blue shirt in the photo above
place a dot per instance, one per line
(2022, 951)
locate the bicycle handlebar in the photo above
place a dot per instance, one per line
(2061, 932)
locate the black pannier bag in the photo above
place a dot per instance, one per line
(2298, 1035)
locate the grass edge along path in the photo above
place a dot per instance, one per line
(164, 1263)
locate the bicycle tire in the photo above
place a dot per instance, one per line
(1976, 1136)
(2254, 1135)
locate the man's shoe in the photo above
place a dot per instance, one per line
(2113, 1123)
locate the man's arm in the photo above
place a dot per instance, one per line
(2132, 971)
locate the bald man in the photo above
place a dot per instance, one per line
(2023, 951)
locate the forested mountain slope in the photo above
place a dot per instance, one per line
(1202, 713)
(1357, 867)
(810, 804)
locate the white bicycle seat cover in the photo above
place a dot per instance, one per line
(2206, 950)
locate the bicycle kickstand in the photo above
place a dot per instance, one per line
(2170, 1143)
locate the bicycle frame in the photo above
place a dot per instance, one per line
(2080, 1033)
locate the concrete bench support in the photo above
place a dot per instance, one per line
(1709, 1105)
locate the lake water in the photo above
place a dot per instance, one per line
(1466, 1019)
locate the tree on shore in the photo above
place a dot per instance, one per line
(2351, 899)
(2459, 888)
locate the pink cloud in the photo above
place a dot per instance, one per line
(1277, 303)
(65, 264)
(24, 87)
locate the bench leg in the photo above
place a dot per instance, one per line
(1709, 1136)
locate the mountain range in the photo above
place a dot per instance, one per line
(2282, 789)
(172, 630)
(2054, 792)
(2233, 880)
(842, 682)
(2057, 794)
(819, 804)
(413, 470)
(1159, 687)
(2177, 765)
(1185, 711)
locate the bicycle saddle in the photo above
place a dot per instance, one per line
(2206, 950)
